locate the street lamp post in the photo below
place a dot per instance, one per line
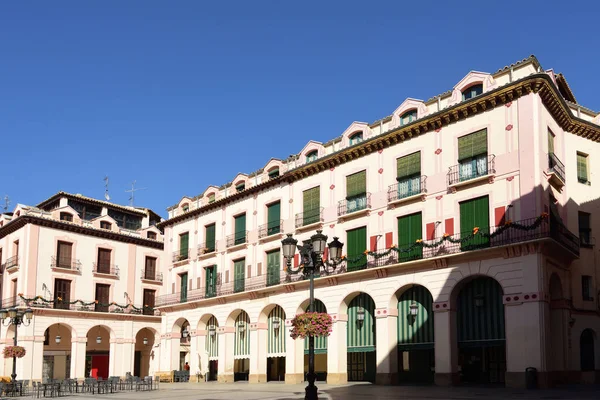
(16, 316)
(312, 260)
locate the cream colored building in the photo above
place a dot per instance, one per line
(91, 271)
(478, 205)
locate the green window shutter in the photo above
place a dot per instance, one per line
(356, 184)
(311, 205)
(183, 287)
(184, 241)
(274, 215)
(550, 143)
(410, 229)
(582, 174)
(357, 244)
(475, 213)
(273, 267)
(409, 165)
(239, 275)
(210, 237)
(240, 229)
(211, 281)
(472, 145)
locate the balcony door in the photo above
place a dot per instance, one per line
(149, 296)
(103, 296)
(62, 293)
(103, 261)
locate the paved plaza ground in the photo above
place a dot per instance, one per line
(277, 391)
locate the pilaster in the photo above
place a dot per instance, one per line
(225, 366)
(78, 349)
(386, 320)
(337, 345)
(446, 348)
(258, 353)
(294, 357)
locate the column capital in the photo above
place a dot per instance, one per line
(386, 312)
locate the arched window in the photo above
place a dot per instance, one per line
(586, 349)
(211, 198)
(472, 91)
(312, 156)
(408, 117)
(274, 173)
(356, 138)
(240, 186)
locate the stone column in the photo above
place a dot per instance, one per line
(38, 358)
(78, 350)
(446, 347)
(115, 350)
(294, 356)
(386, 320)
(124, 357)
(25, 364)
(225, 367)
(173, 344)
(258, 353)
(337, 351)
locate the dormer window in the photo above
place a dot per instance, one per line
(356, 138)
(105, 225)
(151, 235)
(472, 91)
(65, 216)
(274, 173)
(211, 198)
(240, 187)
(185, 207)
(312, 156)
(408, 117)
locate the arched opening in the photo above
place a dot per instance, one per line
(481, 335)
(356, 138)
(587, 350)
(144, 342)
(320, 346)
(182, 329)
(416, 345)
(57, 352)
(97, 355)
(211, 349)
(361, 339)
(276, 345)
(241, 347)
(472, 91)
(408, 117)
(312, 156)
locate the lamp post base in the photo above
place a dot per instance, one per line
(311, 392)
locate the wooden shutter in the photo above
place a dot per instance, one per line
(184, 241)
(239, 275)
(409, 165)
(273, 267)
(357, 244)
(150, 270)
(472, 145)
(240, 225)
(474, 213)
(183, 286)
(62, 289)
(104, 261)
(356, 184)
(149, 301)
(211, 281)
(274, 215)
(64, 253)
(550, 143)
(210, 237)
(582, 174)
(311, 199)
(410, 229)
(102, 295)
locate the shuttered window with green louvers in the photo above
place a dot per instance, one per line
(311, 206)
(210, 238)
(410, 229)
(582, 168)
(240, 229)
(408, 166)
(475, 214)
(273, 218)
(472, 145)
(273, 267)
(356, 185)
(239, 275)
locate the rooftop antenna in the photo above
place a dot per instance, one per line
(132, 191)
(106, 196)
(6, 203)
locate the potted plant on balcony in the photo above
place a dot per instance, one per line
(14, 351)
(311, 324)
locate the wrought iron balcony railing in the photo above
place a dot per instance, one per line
(105, 268)
(472, 169)
(407, 188)
(181, 255)
(272, 228)
(206, 248)
(236, 239)
(556, 166)
(354, 204)
(12, 262)
(152, 275)
(486, 237)
(90, 306)
(65, 263)
(309, 217)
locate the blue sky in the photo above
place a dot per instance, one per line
(179, 95)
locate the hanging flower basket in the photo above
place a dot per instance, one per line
(311, 324)
(14, 351)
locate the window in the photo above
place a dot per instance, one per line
(273, 267)
(408, 175)
(150, 268)
(273, 218)
(408, 117)
(65, 216)
(240, 229)
(472, 91)
(127, 221)
(311, 206)
(357, 244)
(211, 281)
(211, 198)
(585, 231)
(16, 249)
(240, 187)
(312, 156)
(105, 225)
(582, 168)
(86, 212)
(149, 301)
(103, 265)
(151, 235)
(274, 173)
(475, 214)
(103, 297)
(586, 288)
(356, 191)
(185, 207)
(472, 155)
(239, 275)
(410, 229)
(356, 138)
(62, 293)
(550, 142)
(184, 240)
(183, 282)
(64, 254)
(209, 231)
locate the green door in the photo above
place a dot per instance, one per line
(240, 229)
(475, 214)
(184, 241)
(211, 281)
(239, 276)
(311, 206)
(357, 245)
(273, 267)
(273, 218)
(410, 229)
(210, 238)
(183, 282)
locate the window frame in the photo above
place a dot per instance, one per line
(66, 214)
(312, 156)
(412, 116)
(586, 288)
(583, 180)
(105, 225)
(470, 89)
(356, 138)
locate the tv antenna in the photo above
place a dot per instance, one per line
(106, 196)
(132, 191)
(6, 203)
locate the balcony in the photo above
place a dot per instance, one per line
(357, 205)
(83, 305)
(151, 276)
(556, 171)
(65, 264)
(236, 240)
(105, 269)
(181, 256)
(530, 230)
(309, 219)
(12, 263)
(407, 189)
(206, 249)
(272, 229)
(472, 171)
